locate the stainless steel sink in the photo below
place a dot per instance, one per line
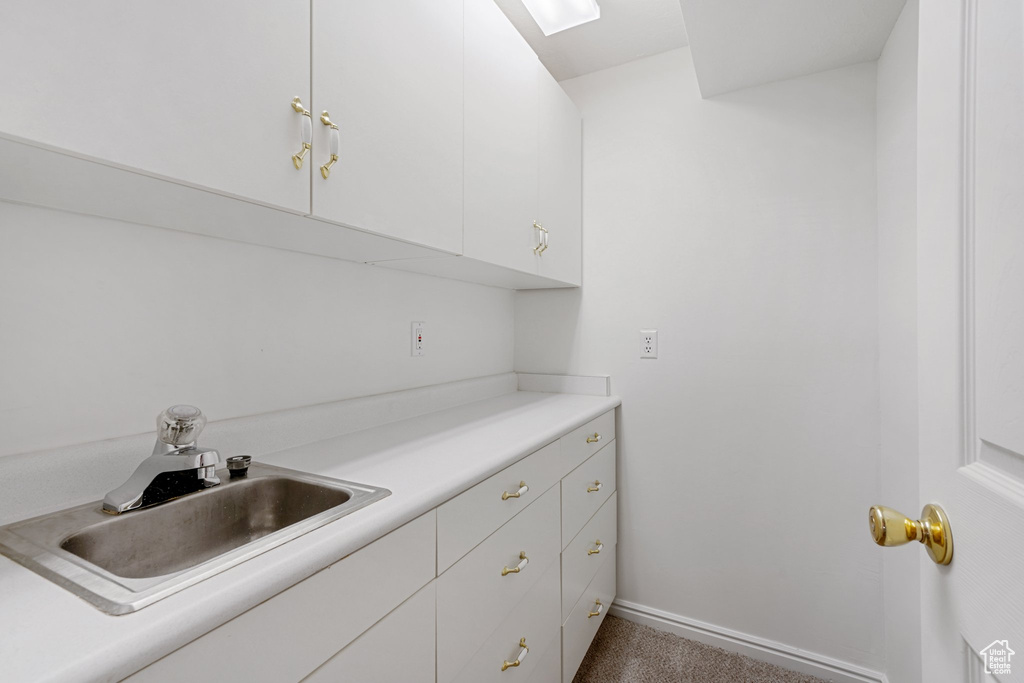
(121, 563)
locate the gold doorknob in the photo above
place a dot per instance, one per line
(889, 528)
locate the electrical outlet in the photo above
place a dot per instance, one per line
(418, 340)
(648, 343)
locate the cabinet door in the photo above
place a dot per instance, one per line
(390, 74)
(398, 649)
(191, 90)
(560, 176)
(501, 140)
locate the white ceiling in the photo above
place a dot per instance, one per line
(740, 43)
(627, 30)
(735, 43)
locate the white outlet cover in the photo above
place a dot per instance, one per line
(419, 339)
(648, 343)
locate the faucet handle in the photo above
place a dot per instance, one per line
(180, 425)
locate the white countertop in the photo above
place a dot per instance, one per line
(49, 634)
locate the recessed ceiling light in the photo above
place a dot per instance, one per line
(557, 15)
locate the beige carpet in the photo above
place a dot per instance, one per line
(624, 652)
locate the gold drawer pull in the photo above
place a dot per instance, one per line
(600, 608)
(523, 488)
(595, 488)
(598, 549)
(542, 242)
(594, 439)
(335, 143)
(523, 561)
(518, 660)
(306, 133)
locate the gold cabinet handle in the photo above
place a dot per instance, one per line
(594, 439)
(523, 561)
(889, 528)
(595, 488)
(523, 650)
(542, 241)
(306, 133)
(335, 134)
(523, 488)
(598, 549)
(597, 612)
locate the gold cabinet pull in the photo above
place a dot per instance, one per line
(595, 488)
(523, 650)
(598, 549)
(523, 488)
(542, 241)
(597, 612)
(335, 134)
(889, 528)
(523, 561)
(306, 133)
(594, 439)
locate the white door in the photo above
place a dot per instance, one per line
(501, 140)
(389, 72)
(560, 194)
(190, 90)
(971, 331)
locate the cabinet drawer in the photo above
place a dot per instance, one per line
(535, 620)
(549, 670)
(583, 557)
(473, 597)
(472, 516)
(580, 500)
(297, 630)
(581, 443)
(580, 628)
(398, 649)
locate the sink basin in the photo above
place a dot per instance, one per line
(121, 563)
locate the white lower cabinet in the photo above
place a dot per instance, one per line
(471, 516)
(584, 555)
(579, 629)
(291, 634)
(474, 596)
(398, 649)
(519, 643)
(583, 442)
(585, 489)
(486, 587)
(549, 669)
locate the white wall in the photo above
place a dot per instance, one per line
(743, 229)
(105, 323)
(897, 333)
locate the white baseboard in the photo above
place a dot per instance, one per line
(754, 647)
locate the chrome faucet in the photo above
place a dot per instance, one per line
(176, 467)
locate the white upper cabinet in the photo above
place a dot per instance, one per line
(501, 137)
(389, 72)
(444, 144)
(190, 90)
(560, 210)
